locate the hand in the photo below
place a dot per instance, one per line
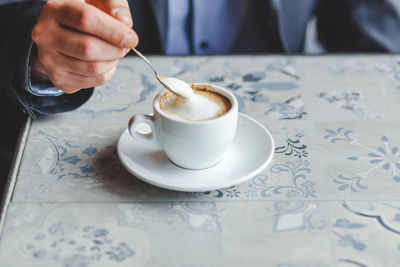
(79, 45)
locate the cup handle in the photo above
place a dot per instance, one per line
(149, 138)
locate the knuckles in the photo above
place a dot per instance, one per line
(43, 37)
(58, 79)
(40, 32)
(50, 6)
(101, 79)
(93, 68)
(82, 19)
(61, 81)
(86, 47)
(76, 16)
(97, 68)
(37, 33)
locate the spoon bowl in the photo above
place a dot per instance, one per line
(174, 85)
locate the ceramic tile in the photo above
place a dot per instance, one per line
(59, 169)
(163, 234)
(328, 198)
(313, 233)
(359, 160)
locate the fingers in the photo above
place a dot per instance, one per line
(119, 9)
(89, 19)
(70, 82)
(68, 73)
(77, 82)
(79, 45)
(85, 68)
(86, 47)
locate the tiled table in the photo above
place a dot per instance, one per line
(331, 196)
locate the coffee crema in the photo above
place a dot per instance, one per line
(206, 104)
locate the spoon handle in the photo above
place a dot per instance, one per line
(145, 59)
(155, 72)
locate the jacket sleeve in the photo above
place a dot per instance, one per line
(359, 26)
(16, 23)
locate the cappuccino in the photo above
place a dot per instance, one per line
(206, 104)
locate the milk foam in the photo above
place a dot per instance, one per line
(178, 86)
(195, 108)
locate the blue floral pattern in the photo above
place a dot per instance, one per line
(351, 183)
(345, 223)
(298, 216)
(338, 135)
(76, 160)
(349, 240)
(347, 100)
(298, 171)
(259, 186)
(93, 245)
(202, 216)
(231, 192)
(386, 157)
(293, 147)
(290, 109)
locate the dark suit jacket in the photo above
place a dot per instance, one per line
(343, 25)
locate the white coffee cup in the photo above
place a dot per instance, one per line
(189, 144)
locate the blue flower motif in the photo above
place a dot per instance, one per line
(338, 135)
(216, 79)
(348, 239)
(71, 160)
(345, 223)
(225, 192)
(260, 186)
(291, 109)
(387, 158)
(87, 169)
(302, 184)
(309, 185)
(92, 244)
(293, 146)
(100, 232)
(254, 77)
(91, 150)
(234, 86)
(352, 183)
(67, 143)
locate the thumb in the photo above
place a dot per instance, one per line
(119, 9)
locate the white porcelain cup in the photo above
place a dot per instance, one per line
(189, 144)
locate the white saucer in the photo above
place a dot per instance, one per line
(250, 153)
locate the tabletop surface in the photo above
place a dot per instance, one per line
(330, 197)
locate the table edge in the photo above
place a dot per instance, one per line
(12, 176)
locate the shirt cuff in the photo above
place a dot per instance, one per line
(42, 88)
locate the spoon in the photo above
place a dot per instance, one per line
(174, 85)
